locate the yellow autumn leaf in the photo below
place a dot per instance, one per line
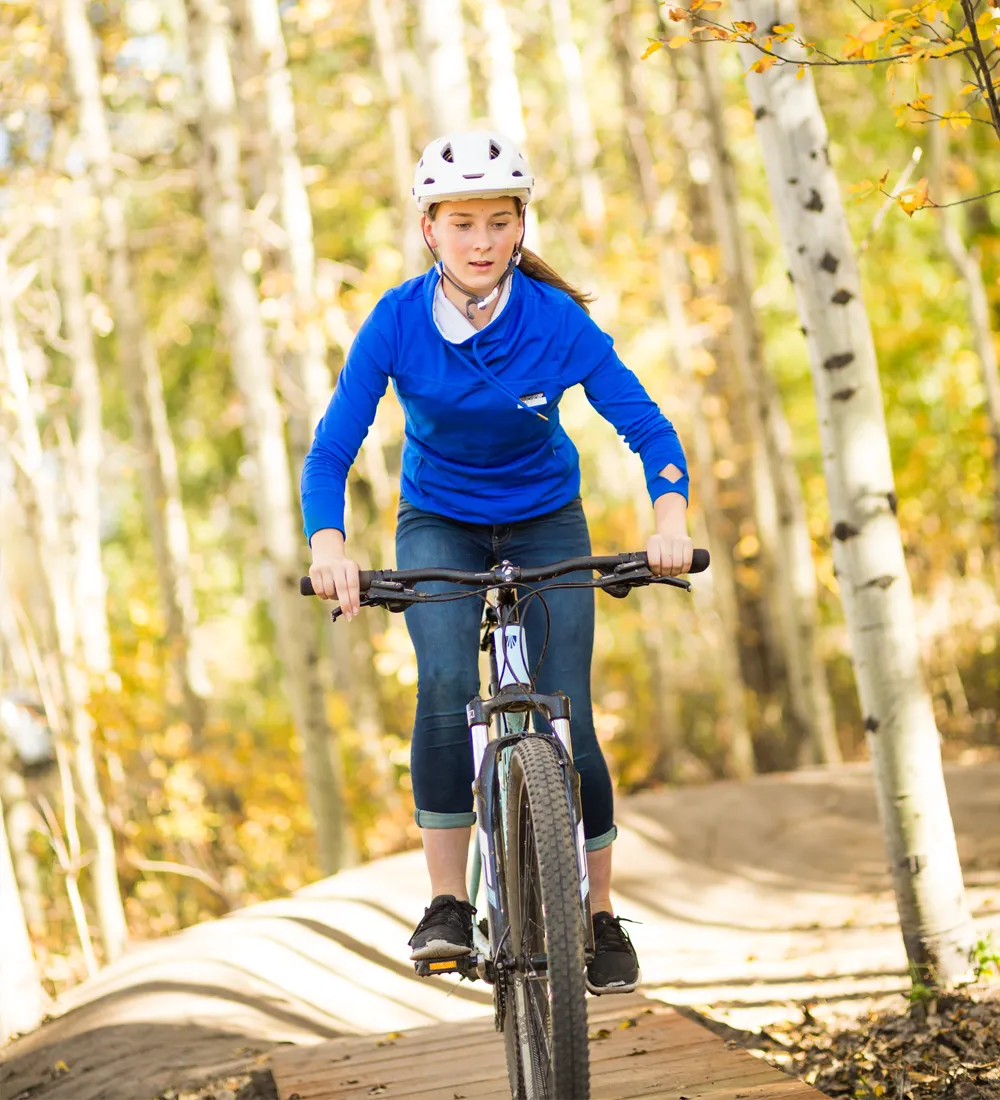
(783, 28)
(873, 31)
(913, 198)
(957, 120)
(863, 188)
(745, 26)
(679, 40)
(801, 73)
(762, 64)
(654, 45)
(968, 89)
(678, 15)
(710, 5)
(883, 178)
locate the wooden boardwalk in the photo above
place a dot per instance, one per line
(639, 1048)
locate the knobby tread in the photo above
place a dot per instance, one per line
(535, 763)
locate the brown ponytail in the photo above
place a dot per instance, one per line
(535, 267)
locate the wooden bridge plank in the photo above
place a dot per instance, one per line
(662, 1054)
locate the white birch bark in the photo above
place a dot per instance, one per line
(448, 84)
(253, 370)
(22, 1000)
(868, 553)
(583, 145)
(384, 26)
(90, 581)
(308, 352)
(140, 371)
(503, 92)
(56, 569)
(780, 505)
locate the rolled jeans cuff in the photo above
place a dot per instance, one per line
(596, 843)
(427, 819)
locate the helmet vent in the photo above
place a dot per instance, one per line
(429, 179)
(516, 172)
(474, 176)
(494, 150)
(447, 154)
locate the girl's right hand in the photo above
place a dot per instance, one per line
(333, 574)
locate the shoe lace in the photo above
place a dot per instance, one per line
(610, 936)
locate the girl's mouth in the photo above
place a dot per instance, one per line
(481, 265)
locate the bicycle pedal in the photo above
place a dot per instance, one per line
(464, 965)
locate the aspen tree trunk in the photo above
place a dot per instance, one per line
(43, 525)
(90, 581)
(449, 87)
(384, 25)
(21, 823)
(967, 263)
(253, 370)
(309, 365)
(583, 145)
(737, 741)
(143, 385)
(22, 1001)
(503, 93)
(868, 552)
(781, 514)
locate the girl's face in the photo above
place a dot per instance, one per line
(475, 238)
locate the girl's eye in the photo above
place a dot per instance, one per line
(500, 225)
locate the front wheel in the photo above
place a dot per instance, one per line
(546, 1011)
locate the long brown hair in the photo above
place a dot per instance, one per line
(536, 268)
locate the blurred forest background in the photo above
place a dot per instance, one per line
(200, 202)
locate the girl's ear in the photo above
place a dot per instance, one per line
(427, 227)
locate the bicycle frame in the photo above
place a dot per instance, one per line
(494, 727)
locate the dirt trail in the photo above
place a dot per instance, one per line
(751, 896)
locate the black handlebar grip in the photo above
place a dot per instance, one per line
(699, 561)
(365, 577)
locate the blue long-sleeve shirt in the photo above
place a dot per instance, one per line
(475, 448)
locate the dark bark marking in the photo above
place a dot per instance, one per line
(815, 202)
(842, 297)
(871, 724)
(805, 331)
(829, 262)
(760, 113)
(791, 277)
(812, 154)
(844, 531)
(793, 181)
(845, 394)
(882, 582)
(913, 864)
(835, 362)
(801, 249)
(893, 501)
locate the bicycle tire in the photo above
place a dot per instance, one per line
(546, 1018)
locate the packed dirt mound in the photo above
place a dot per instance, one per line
(753, 898)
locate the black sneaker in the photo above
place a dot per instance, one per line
(445, 929)
(614, 968)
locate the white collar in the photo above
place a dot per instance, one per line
(452, 323)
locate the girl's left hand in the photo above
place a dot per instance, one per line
(669, 553)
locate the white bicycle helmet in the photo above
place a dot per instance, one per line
(476, 164)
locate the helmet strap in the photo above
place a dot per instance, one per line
(474, 300)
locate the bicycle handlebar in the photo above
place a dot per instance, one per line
(607, 563)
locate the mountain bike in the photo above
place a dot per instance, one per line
(537, 937)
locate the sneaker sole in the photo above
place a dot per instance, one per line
(439, 949)
(625, 987)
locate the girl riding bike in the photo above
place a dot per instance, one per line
(480, 350)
